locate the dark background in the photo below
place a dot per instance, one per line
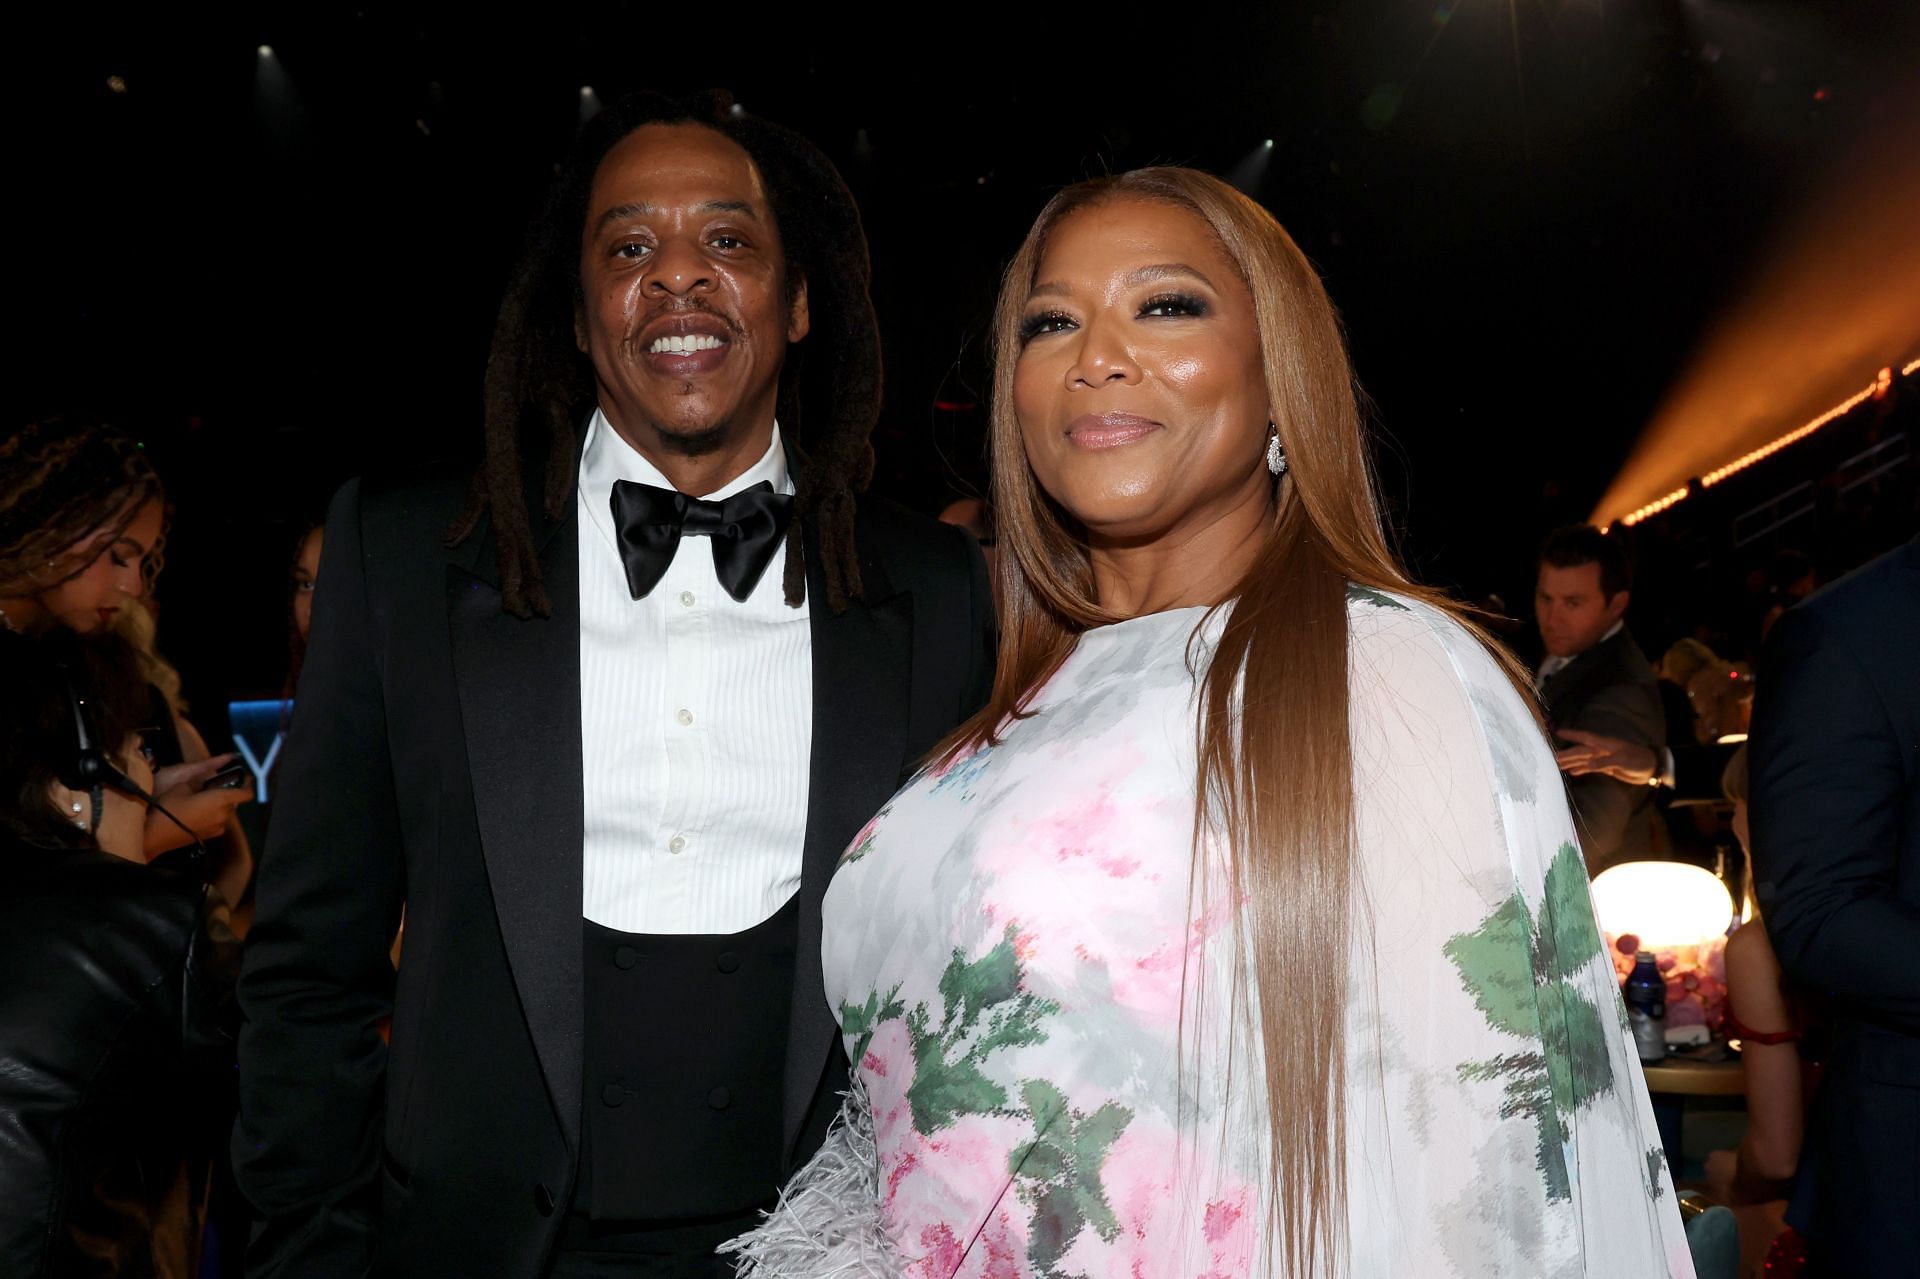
(284, 272)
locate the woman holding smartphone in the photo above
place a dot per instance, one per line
(82, 529)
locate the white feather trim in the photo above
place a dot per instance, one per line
(828, 1223)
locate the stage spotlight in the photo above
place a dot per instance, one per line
(1251, 172)
(276, 103)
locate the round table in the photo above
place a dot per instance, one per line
(1683, 1078)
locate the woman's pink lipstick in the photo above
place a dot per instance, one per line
(1109, 430)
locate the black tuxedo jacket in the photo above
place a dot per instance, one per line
(435, 760)
(1836, 862)
(1610, 689)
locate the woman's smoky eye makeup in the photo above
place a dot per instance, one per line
(1174, 304)
(1033, 326)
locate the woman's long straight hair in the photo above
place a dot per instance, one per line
(1276, 785)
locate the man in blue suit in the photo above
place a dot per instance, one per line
(1836, 854)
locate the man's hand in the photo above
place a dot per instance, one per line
(1591, 753)
(178, 790)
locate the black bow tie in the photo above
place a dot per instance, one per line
(746, 530)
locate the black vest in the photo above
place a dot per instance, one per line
(686, 1047)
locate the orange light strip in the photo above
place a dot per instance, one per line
(1877, 386)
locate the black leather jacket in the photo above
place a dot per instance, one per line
(116, 1062)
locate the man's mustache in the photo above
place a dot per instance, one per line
(681, 311)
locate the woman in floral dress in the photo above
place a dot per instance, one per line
(1245, 931)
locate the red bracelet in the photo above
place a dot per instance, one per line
(1747, 1035)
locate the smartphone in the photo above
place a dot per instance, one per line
(235, 776)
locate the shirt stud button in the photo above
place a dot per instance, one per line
(625, 957)
(728, 962)
(678, 844)
(685, 717)
(686, 599)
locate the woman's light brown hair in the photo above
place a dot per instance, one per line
(1275, 784)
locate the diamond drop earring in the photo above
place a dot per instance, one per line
(1276, 456)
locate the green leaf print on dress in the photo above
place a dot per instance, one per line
(1058, 1172)
(982, 1009)
(1379, 599)
(1520, 973)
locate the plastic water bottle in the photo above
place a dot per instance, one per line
(1647, 1007)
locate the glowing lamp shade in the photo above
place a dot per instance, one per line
(1664, 904)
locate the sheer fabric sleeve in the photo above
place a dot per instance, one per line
(1498, 1119)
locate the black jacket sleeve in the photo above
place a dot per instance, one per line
(1605, 806)
(316, 980)
(1828, 789)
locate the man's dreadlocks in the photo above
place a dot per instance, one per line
(539, 385)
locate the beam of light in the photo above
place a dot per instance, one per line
(1249, 174)
(1878, 386)
(1834, 302)
(276, 102)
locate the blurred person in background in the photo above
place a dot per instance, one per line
(1677, 666)
(82, 527)
(115, 983)
(1761, 1013)
(1594, 679)
(178, 753)
(1791, 577)
(1836, 865)
(305, 574)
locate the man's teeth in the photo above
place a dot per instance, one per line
(685, 345)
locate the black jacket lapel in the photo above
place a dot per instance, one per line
(862, 685)
(520, 710)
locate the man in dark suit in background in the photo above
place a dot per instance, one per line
(1595, 679)
(606, 741)
(1835, 814)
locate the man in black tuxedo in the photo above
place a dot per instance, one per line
(605, 757)
(1835, 813)
(1594, 679)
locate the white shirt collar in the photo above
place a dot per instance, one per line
(607, 457)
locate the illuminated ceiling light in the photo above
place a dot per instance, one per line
(1269, 144)
(1881, 381)
(116, 84)
(586, 91)
(265, 51)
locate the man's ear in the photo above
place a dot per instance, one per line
(799, 319)
(1617, 605)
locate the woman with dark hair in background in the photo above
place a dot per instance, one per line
(115, 1026)
(82, 528)
(1244, 931)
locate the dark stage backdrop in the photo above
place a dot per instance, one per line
(283, 270)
